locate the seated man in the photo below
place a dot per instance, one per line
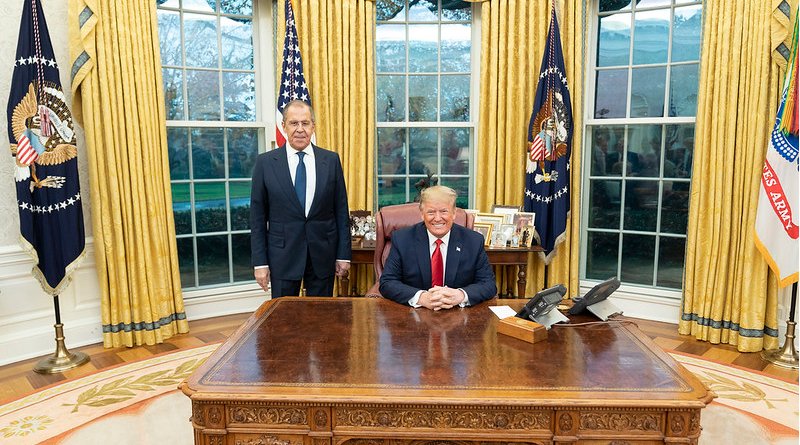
(437, 264)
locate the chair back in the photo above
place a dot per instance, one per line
(391, 218)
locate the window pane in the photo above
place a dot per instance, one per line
(178, 149)
(237, 43)
(209, 205)
(392, 10)
(611, 93)
(461, 186)
(671, 252)
(423, 11)
(200, 5)
(423, 48)
(182, 208)
(601, 255)
(391, 100)
(390, 48)
(203, 95)
(650, 36)
(455, 99)
(242, 270)
(201, 40)
(208, 156)
(683, 90)
(169, 3)
(651, 3)
(457, 11)
(644, 151)
(607, 148)
(391, 191)
(173, 93)
(240, 205)
(679, 151)
(242, 151)
(675, 207)
(641, 205)
(604, 204)
(455, 151)
(186, 261)
(169, 37)
(638, 256)
(391, 151)
(614, 40)
(238, 7)
(647, 91)
(422, 94)
(614, 5)
(687, 33)
(456, 43)
(422, 153)
(240, 96)
(212, 260)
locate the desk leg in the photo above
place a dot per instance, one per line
(521, 281)
(344, 284)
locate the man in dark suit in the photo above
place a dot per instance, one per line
(299, 219)
(437, 264)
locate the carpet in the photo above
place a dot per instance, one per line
(138, 403)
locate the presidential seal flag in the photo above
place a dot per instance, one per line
(776, 227)
(549, 148)
(42, 138)
(293, 82)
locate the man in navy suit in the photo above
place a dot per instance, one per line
(437, 264)
(299, 219)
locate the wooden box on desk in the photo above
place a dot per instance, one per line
(522, 329)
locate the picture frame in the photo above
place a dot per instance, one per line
(484, 229)
(507, 211)
(498, 240)
(524, 219)
(491, 218)
(508, 231)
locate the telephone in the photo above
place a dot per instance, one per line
(543, 302)
(597, 294)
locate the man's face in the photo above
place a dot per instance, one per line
(298, 126)
(438, 216)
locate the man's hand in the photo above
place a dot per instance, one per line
(441, 297)
(342, 267)
(262, 277)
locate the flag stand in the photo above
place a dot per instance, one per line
(62, 359)
(787, 355)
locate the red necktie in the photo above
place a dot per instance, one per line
(437, 268)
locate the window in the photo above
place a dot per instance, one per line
(640, 140)
(210, 71)
(426, 119)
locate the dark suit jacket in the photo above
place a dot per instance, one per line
(408, 266)
(283, 243)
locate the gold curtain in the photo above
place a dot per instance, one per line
(117, 93)
(729, 295)
(337, 44)
(513, 36)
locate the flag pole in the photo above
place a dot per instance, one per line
(787, 355)
(62, 359)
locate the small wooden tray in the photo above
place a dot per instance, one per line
(522, 329)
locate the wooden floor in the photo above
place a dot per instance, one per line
(18, 379)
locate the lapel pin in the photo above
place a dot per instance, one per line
(458, 249)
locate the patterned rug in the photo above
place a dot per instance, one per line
(138, 403)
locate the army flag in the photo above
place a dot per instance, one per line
(547, 186)
(42, 138)
(293, 82)
(778, 215)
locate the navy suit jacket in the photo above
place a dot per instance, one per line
(281, 236)
(408, 266)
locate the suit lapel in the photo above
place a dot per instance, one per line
(281, 173)
(321, 166)
(453, 256)
(423, 254)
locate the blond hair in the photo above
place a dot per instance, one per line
(436, 193)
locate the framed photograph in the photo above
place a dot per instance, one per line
(491, 218)
(484, 229)
(523, 219)
(508, 231)
(507, 211)
(498, 240)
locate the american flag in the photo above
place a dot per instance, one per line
(293, 82)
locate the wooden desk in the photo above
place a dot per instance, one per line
(517, 257)
(358, 371)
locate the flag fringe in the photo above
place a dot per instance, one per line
(39, 275)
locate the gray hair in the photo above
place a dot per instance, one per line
(298, 102)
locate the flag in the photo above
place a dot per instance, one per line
(549, 148)
(293, 82)
(42, 138)
(776, 231)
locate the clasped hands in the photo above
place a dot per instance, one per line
(441, 297)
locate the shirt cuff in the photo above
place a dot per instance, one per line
(414, 301)
(465, 302)
(260, 267)
(346, 261)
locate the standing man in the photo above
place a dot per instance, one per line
(437, 264)
(299, 219)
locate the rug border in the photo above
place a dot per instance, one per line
(741, 368)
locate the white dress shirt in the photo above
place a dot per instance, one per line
(311, 170)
